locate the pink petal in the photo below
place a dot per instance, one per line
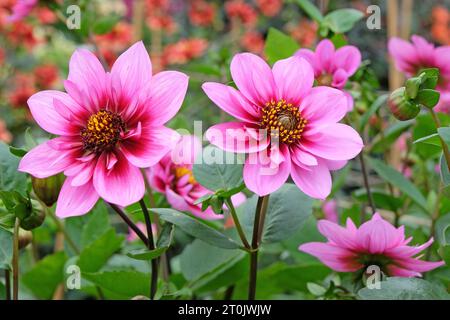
(377, 235)
(348, 58)
(133, 68)
(75, 201)
(404, 54)
(315, 182)
(186, 150)
(340, 78)
(233, 137)
(176, 200)
(338, 259)
(310, 56)
(396, 271)
(122, 185)
(253, 78)
(294, 78)
(301, 157)
(337, 234)
(153, 144)
(167, 92)
(336, 142)
(262, 177)
(231, 101)
(325, 55)
(43, 161)
(419, 265)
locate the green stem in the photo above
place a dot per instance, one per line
(130, 223)
(15, 260)
(444, 145)
(261, 209)
(239, 229)
(151, 246)
(7, 285)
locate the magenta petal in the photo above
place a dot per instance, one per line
(325, 55)
(231, 101)
(315, 182)
(43, 161)
(419, 265)
(233, 137)
(335, 142)
(122, 185)
(348, 58)
(262, 177)
(396, 271)
(337, 234)
(336, 258)
(167, 92)
(150, 147)
(133, 68)
(176, 200)
(253, 78)
(294, 78)
(310, 56)
(404, 54)
(75, 201)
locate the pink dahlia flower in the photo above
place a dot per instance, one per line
(410, 58)
(285, 125)
(21, 9)
(330, 210)
(333, 67)
(173, 177)
(375, 242)
(110, 124)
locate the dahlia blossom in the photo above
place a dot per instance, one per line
(285, 125)
(110, 124)
(173, 177)
(333, 67)
(21, 9)
(410, 58)
(375, 242)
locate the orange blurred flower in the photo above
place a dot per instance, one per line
(241, 11)
(253, 41)
(201, 13)
(440, 30)
(184, 51)
(5, 135)
(304, 32)
(269, 8)
(45, 15)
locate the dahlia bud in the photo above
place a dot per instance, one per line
(216, 204)
(47, 189)
(25, 238)
(31, 218)
(401, 107)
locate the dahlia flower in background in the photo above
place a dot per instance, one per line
(21, 9)
(110, 124)
(173, 177)
(333, 67)
(375, 242)
(330, 210)
(285, 125)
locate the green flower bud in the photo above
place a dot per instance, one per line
(33, 218)
(216, 204)
(47, 189)
(25, 238)
(402, 108)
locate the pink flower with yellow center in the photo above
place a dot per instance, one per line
(375, 242)
(287, 127)
(110, 124)
(173, 177)
(333, 67)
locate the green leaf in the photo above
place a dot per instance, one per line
(432, 139)
(196, 228)
(339, 40)
(218, 175)
(405, 289)
(6, 249)
(279, 46)
(46, 275)
(105, 24)
(97, 225)
(381, 199)
(311, 10)
(444, 133)
(18, 152)
(342, 20)
(125, 283)
(390, 135)
(95, 255)
(10, 178)
(428, 97)
(395, 178)
(443, 230)
(164, 241)
(287, 212)
(380, 101)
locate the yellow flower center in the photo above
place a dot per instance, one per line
(181, 171)
(325, 80)
(283, 121)
(102, 131)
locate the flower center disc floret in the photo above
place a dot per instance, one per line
(283, 121)
(102, 131)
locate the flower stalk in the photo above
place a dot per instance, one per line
(237, 223)
(258, 226)
(15, 260)
(445, 149)
(7, 285)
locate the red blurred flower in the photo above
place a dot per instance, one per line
(269, 8)
(45, 15)
(304, 32)
(253, 41)
(201, 13)
(2, 56)
(21, 33)
(5, 135)
(241, 11)
(184, 50)
(440, 30)
(118, 38)
(162, 23)
(23, 89)
(45, 75)
(154, 5)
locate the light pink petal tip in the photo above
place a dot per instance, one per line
(75, 201)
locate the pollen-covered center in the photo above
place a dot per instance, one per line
(181, 171)
(283, 121)
(102, 131)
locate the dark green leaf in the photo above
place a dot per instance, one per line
(428, 97)
(6, 248)
(10, 178)
(311, 10)
(279, 46)
(164, 241)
